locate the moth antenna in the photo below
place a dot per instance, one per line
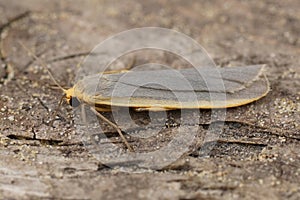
(43, 64)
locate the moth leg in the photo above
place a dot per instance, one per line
(83, 113)
(115, 126)
(56, 111)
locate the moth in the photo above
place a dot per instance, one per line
(166, 89)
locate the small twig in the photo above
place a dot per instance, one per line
(31, 96)
(241, 142)
(70, 56)
(272, 130)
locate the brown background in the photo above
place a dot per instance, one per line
(257, 157)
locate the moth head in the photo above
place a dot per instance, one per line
(74, 102)
(71, 98)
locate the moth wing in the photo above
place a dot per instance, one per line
(229, 79)
(169, 89)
